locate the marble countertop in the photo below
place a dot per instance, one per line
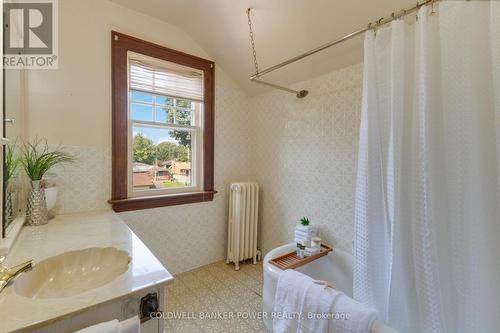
(75, 232)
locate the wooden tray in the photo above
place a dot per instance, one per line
(291, 260)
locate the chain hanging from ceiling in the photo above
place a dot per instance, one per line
(256, 76)
(252, 41)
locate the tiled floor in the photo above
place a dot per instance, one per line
(218, 290)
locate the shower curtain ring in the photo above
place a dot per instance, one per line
(371, 26)
(432, 8)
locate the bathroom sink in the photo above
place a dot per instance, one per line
(72, 273)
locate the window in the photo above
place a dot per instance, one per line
(162, 126)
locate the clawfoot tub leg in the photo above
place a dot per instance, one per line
(256, 257)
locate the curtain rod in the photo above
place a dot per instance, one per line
(371, 26)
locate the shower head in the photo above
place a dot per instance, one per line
(302, 94)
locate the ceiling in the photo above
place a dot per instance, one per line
(282, 29)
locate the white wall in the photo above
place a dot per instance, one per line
(72, 106)
(305, 154)
(302, 152)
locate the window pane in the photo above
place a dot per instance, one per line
(183, 117)
(140, 96)
(164, 115)
(162, 100)
(182, 103)
(161, 159)
(141, 112)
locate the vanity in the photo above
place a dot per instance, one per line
(88, 268)
(81, 268)
(78, 265)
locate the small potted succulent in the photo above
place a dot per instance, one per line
(305, 221)
(36, 159)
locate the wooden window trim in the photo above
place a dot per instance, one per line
(120, 45)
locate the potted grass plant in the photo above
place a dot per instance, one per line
(36, 159)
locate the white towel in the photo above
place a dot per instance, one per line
(288, 301)
(310, 233)
(304, 237)
(112, 326)
(306, 228)
(131, 325)
(361, 318)
(301, 236)
(301, 240)
(303, 306)
(297, 298)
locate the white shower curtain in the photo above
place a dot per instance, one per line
(427, 219)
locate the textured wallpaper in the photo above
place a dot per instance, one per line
(182, 237)
(188, 236)
(302, 152)
(305, 155)
(85, 185)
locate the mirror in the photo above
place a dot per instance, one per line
(14, 188)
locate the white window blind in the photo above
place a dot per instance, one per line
(165, 78)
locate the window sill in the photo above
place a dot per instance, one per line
(138, 203)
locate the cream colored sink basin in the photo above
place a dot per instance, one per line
(72, 273)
